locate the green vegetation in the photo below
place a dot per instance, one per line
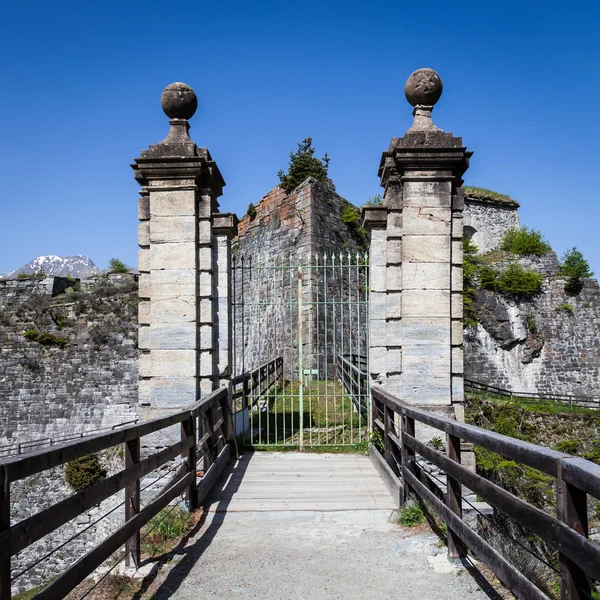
(303, 164)
(436, 443)
(38, 275)
(471, 271)
(84, 472)
(251, 211)
(44, 338)
(350, 216)
(160, 532)
(566, 307)
(569, 446)
(116, 265)
(483, 193)
(411, 514)
(376, 200)
(524, 241)
(574, 267)
(513, 281)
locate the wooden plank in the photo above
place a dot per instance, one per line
(582, 473)
(65, 582)
(557, 534)
(5, 585)
(188, 430)
(390, 480)
(454, 497)
(509, 575)
(30, 530)
(132, 503)
(571, 509)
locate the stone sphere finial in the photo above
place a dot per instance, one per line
(423, 87)
(179, 101)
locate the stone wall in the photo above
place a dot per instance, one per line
(486, 220)
(548, 344)
(84, 382)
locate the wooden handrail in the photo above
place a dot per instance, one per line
(566, 533)
(253, 382)
(354, 380)
(206, 424)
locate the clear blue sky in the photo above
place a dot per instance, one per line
(81, 85)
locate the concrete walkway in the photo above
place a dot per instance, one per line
(308, 527)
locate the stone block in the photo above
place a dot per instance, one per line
(457, 279)
(425, 303)
(206, 311)
(394, 223)
(144, 233)
(426, 248)
(457, 226)
(173, 363)
(144, 312)
(205, 204)
(430, 194)
(144, 260)
(205, 235)
(173, 282)
(378, 359)
(394, 278)
(173, 256)
(394, 333)
(377, 305)
(144, 207)
(457, 306)
(426, 221)
(145, 391)
(429, 390)
(428, 332)
(458, 360)
(457, 333)
(206, 337)
(422, 276)
(378, 332)
(168, 336)
(145, 364)
(394, 251)
(458, 392)
(457, 252)
(205, 284)
(394, 305)
(180, 203)
(144, 287)
(206, 362)
(378, 280)
(205, 258)
(174, 309)
(172, 229)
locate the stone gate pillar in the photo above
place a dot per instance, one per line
(178, 294)
(416, 311)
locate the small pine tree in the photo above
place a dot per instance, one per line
(116, 265)
(303, 164)
(575, 268)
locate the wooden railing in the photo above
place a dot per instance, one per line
(567, 533)
(205, 430)
(249, 387)
(354, 380)
(529, 397)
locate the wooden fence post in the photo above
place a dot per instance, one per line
(188, 429)
(132, 503)
(571, 509)
(454, 498)
(408, 454)
(5, 585)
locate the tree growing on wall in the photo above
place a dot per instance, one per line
(575, 268)
(303, 164)
(116, 265)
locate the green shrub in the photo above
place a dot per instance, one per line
(84, 472)
(116, 265)
(574, 267)
(471, 266)
(44, 338)
(168, 525)
(488, 278)
(565, 307)
(524, 241)
(303, 164)
(350, 216)
(38, 275)
(520, 282)
(251, 211)
(411, 514)
(436, 443)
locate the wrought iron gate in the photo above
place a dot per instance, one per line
(293, 319)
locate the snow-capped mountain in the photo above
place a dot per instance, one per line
(78, 266)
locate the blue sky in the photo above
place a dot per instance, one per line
(81, 98)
